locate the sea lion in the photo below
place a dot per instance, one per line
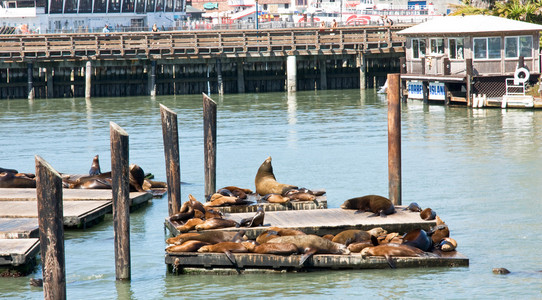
(211, 237)
(216, 223)
(92, 182)
(225, 192)
(266, 182)
(357, 247)
(136, 178)
(95, 167)
(256, 220)
(377, 231)
(328, 236)
(273, 232)
(220, 200)
(189, 225)
(389, 250)
(184, 236)
(301, 196)
(182, 216)
(237, 191)
(428, 214)
(10, 180)
(418, 238)
(211, 213)
(188, 246)
(311, 244)
(393, 237)
(275, 198)
(501, 271)
(2, 170)
(447, 244)
(347, 237)
(438, 233)
(227, 248)
(373, 203)
(413, 207)
(275, 248)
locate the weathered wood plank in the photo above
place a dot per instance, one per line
(248, 261)
(25, 194)
(16, 252)
(20, 228)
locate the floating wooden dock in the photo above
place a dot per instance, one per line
(327, 221)
(19, 228)
(18, 252)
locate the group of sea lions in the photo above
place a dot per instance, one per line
(196, 216)
(10, 178)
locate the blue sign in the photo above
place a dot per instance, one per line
(437, 91)
(415, 90)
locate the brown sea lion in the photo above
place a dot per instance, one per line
(418, 238)
(347, 237)
(220, 200)
(413, 207)
(95, 167)
(275, 198)
(227, 248)
(377, 204)
(183, 236)
(10, 180)
(428, 214)
(501, 271)
(447, 244)
(273, 232)
(153, 184)
(438, 233)
(301, 196)
(211, 237)
(188, 246)
(328, 236)
(195, 204)
(275, 248)
(311, 244)
(393, 237)
(237, 191)
(266, 182)
(377, 231)
(189, 225)
(2, 170)
(389, 250)
(92, 182)
(211, 213)
(233, 188)
(357, 247)
(216, 223)
(183, 216)
(254, 221)
(136, 178)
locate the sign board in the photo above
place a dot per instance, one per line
(437, 91)
(415, 90)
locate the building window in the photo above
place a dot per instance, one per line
(455, 48)
(487, 48)
(515, 46)
(436, 46)
(418, 48)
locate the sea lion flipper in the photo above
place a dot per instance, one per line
(382, 214)
(308, 253)
(373, 215)
(390, 261)
(231, 257)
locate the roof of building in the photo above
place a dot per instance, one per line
(469, 24)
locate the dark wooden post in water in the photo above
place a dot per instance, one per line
(30, 81)
(152, 79)
(469, 70)
(170, 135)
(121, 199)
(209, 144)
(219, 76)
(51, 230)
(394, 138)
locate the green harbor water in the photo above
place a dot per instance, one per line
(479, 169)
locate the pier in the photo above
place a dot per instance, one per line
(189, 62)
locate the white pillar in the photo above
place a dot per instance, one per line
(88, 76)
(291, 72)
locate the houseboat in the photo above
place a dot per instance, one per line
(478, 60)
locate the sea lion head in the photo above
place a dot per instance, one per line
(95, 167)
(137, 176)
(266, 169)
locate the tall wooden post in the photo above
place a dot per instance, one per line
(323, 74)
(30, 74)
(51, 229)
(219, 77)
(469, 71)
(121, 199)
(152, 79)
(170, 135)
(394, 138)
(240, 77)
(209, 144)
(362, 71)
(50, 82)
(88, 77)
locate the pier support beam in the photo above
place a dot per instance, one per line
(152, 79)
(323, 74)
(88, 76)
(240, 77)
(362, 72)
(219, 77)
(170, 134)
(394, 138)
(30, 89)
(291, 72)
(209, 144)
(50, 93)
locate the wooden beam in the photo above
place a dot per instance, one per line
(209, 144)
(170, 135)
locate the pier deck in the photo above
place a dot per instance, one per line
(19, 228)
(18, 252)
(328, 221)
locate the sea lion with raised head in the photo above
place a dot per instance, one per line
(95, 167)
(136, 178)
(311, 244)
(266, 183)
(188, 246)
(216, 223)
(254, 221)
(378, 205)
(390, 250)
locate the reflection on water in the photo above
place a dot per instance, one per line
(479, 169)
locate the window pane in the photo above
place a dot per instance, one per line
(415, 49)
(460, 48)
(99, 6)
(526, 46)
(452, 49)
(150, 5)
(480, 48)
(436, 46)
(494, 47)
(85, 6)
(422, 47)
(511, 47)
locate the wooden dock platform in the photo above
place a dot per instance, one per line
(19, 228)
(18, 252)
(328, 221)
(194, 262)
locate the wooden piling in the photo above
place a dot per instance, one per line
(219, 77)
(394, 138)
(362, 72)
(469, 70)
(88, 76)
(170, 135)
(152, 79)
(30, 90)
(209, 144)
(121, 199)
(51, 229)
(323, 74)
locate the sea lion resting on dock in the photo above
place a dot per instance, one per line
(256, 220)
(273, 232)
(211, 237)
(16, 180)
(389, 250)
(373, 203)
(216, 223)
(266, 183)
(311, 244)
(189, 225)
(188, 246)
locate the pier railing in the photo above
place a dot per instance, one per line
(238, 43)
